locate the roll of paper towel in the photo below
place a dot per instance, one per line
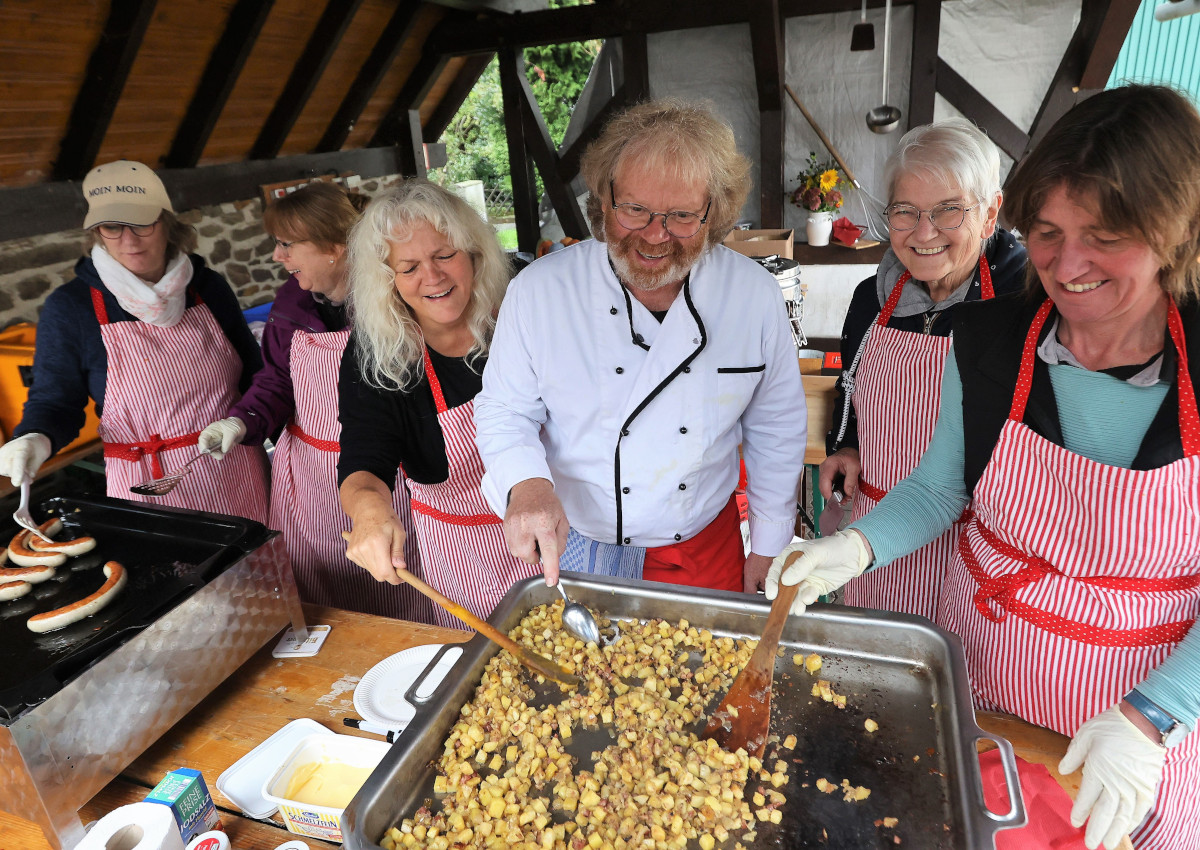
(140, 826)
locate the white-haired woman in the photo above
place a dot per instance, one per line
(944, 196)
(426, 279)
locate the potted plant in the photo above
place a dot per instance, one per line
(820, 193)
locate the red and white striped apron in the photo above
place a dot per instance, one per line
(463, 551)
(163, 386)
(304, 494)
(1074, 579)
(897, 395)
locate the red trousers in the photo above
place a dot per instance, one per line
(714, 558)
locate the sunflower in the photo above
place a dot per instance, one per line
(829, 179)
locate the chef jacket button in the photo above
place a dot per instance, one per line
(627, 541)
(625, 490)
(687, 369)
(683, 430)
(620, 370)
(678, 537)
(612, 310)
(682, 486)
(637, 338)
(624, 432)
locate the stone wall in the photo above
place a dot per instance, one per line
(232, 241)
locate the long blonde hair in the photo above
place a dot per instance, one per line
(388, 338)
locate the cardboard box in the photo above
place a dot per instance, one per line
(761, 243)
(184, 791)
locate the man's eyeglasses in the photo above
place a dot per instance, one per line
(679, 223)
(114, 231)
(902, 217)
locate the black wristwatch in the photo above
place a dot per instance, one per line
(1171, 730)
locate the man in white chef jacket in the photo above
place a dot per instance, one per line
(626, 370)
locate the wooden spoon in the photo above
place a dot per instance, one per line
(743, 719)
(536, 663)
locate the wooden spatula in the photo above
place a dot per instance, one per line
(535, 662)
(743, 719)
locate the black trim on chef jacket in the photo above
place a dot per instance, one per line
(676, 372)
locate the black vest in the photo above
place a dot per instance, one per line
(988, 340)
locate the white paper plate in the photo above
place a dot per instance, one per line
(379, 696)
(243, 781)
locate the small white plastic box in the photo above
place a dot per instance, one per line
(315, 821)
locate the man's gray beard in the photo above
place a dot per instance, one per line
(648, 281)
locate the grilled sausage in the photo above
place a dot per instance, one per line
(21, 554)
(62, 617)
(71, 548)
(15, 589)
(33, 575)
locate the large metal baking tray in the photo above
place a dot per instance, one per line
(902, 671)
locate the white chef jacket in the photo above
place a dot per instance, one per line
(638, 423)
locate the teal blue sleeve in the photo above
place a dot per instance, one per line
(1174, 685)
(931, 498)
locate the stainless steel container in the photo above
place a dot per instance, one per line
(903, 672)
(55, 755)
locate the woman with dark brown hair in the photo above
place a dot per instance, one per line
(1069, 427)
(296, 391)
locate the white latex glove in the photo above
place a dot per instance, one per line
(219, 438)
(1121, 768)
(818, 566)
(20, 458)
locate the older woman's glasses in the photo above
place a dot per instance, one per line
(114, 231)
(679, 223)
(902, 217)
(286, 247)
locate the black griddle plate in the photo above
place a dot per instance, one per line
(168, 553)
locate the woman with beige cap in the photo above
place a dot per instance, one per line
(156, 339)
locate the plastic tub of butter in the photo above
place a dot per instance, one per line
(319, 779)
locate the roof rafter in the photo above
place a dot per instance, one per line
(394, 124)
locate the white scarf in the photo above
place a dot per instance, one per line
(158, 304)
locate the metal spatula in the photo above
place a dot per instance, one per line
(23, 517)
(163, 486)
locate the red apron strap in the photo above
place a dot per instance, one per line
(316, 443)
(876, 494)
(1025, 377)
(885, 315)
(152, 447)
(98, 305)
(454, 519)
(1189, 420)
(435, 385)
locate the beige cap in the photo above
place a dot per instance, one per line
(124, 192)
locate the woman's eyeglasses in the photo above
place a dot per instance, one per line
(286, 247)
(114, 231)
(678, 223)
(902, 217)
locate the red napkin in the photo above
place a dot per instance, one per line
(846, 232)
(1047, 806)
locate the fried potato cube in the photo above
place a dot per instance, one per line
(825, 786)
(870, 725)
(813, 663)
(790, 742)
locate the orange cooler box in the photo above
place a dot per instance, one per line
(16, 372)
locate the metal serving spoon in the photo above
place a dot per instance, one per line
(578, 619)
(163, 486)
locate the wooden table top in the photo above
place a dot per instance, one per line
(266, 693)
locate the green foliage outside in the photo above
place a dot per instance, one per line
(476, 148)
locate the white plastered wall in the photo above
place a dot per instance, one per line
(1007, 49)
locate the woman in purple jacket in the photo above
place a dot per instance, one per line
(296, 391)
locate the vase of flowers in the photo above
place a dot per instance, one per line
(820, 193)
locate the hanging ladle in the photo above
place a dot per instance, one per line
(886, 118)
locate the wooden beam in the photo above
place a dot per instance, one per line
(542, 151)
(1064, 89)
(524, 187)
(96, 100)
(766, 47)
(635, 67)
(393, 126)
(225, 64)
(410, 150)
(1114, 27)
(922, 87)
(55, 207)
(307, 71)
(370, 75)
(568, 160)
(468, 75)
(967, 99)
